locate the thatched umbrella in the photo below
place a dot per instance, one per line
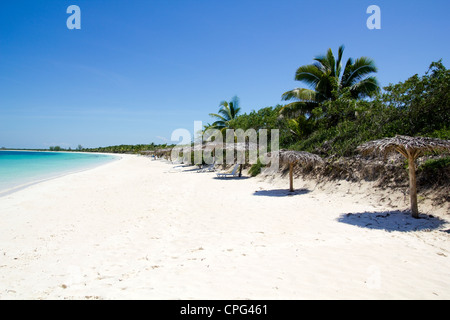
(411, 148)
(244, 147)
(294, 157)
(147, 152)
(233, 146)
(163, 152)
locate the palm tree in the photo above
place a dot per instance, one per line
(227, 112)
(200, 134)
(328, 82)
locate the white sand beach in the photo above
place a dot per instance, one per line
(134, 229)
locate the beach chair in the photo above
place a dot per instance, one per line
(178, 163)
(208, 168)
(233, 173)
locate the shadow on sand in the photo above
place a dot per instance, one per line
(392, 221)
(280, 192)
(230, 178)
(192, 169)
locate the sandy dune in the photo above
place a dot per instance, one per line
(137, 229)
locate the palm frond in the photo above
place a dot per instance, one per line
(236, 111)
(299, 94)
(324, 88)
(215, 115)
(347, 70)
(339, 61)
(294, 109)
(223, 104)
(219, 124)
(367, 87)
(235, 101)
(226, 113)
(234, 107)
(322, 63)
(332, 62)
(320, 67)
(309, 74)
(327, 81)
(358, 70)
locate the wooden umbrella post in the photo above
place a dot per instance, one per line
(292, 157)
(411, 148)
(413, 186)
(291, 177)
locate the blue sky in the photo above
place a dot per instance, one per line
(137, 70)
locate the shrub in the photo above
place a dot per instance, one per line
(256, 169)
(435, 164)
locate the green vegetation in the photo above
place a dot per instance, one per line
(435, 164)
(328, 84)
(435, 172)
(265, 118)
(227, 112)
(132, 149)
(420, 106)
(256, 169)
(342, 108)
(128, 148)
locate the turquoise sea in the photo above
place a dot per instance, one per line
(21, 168)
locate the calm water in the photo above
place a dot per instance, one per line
(20, 168)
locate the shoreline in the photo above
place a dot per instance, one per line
(132, 230)
(8, 191)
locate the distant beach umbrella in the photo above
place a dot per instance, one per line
(240, 146)
(294, 157)
(411, 148)
(163, 153)
(232, 146)
(148, 152)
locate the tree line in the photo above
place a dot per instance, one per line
(339, 107)
(342, 106)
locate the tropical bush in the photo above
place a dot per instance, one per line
(420, 106)
(256, 169)
(342, 109)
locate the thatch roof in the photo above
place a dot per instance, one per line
(239, 146)
(163, 152)
(405, 145)
(148, 152)
(290, 156)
